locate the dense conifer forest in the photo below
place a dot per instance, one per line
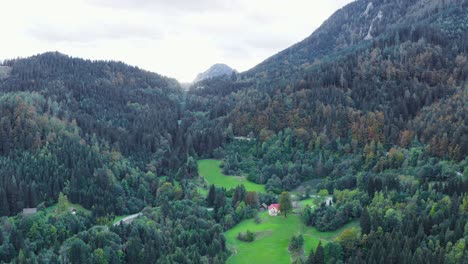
(370, 109)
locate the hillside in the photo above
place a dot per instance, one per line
(128, 109)
(370, 108)
(67, 107)
(409, 63)
(358, 22)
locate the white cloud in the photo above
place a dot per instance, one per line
(177, 38)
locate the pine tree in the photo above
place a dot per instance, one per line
(311, 258)
(210, 199)
(365, 221)
(4, 207)
(319, 254)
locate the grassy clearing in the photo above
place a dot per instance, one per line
(118, 218)
(210, 170)
(309, 202)
(52, 209)
(272, 240)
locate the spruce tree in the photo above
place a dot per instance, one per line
(319, 254)
(311, 258)
(365, 221)
(210, 199)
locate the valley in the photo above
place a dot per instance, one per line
(272, 238)
(350, 146)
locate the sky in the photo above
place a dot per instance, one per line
(175, 38)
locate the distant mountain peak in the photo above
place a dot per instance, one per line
(218, 69)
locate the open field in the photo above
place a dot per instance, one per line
(309, 202)
(211, 171)
(79, 208)
(272, 239)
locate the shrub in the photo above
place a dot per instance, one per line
(248, 236)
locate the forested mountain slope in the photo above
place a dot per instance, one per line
(417, 57)
(91, 129)
(375, 117)
(356, 22)
(109, 137)
(133, 111)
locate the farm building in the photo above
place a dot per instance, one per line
(274, 209)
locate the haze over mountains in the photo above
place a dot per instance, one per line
(370, 108)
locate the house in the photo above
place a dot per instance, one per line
(29, 211)
(274, 209)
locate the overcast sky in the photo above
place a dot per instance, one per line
(176, 38)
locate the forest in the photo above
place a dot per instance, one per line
(378, 124)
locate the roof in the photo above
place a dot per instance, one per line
(277, 206)
(28, 211)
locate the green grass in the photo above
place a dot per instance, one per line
(210, 170)
(202, 192)
(51, 209)
(118, 218)
(272, 239)
(309, 202)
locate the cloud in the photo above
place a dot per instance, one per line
(177, 38)
(92, 32)
(172, 5)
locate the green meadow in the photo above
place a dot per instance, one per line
(210, 170)
(272, 239)
(51, 210)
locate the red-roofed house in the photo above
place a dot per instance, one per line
(274, 209)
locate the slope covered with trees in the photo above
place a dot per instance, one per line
(380, 122)
(132, 111)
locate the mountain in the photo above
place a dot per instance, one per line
(91, 117)
(216, 70)
(371, 108)
(130, 109)
(85, 141)
(355, 24)
(339, 76)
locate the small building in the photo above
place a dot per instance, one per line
(274, 209)
(29, 211)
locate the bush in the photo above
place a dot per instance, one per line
(257, 219)
(246, 237)
(296, 243)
